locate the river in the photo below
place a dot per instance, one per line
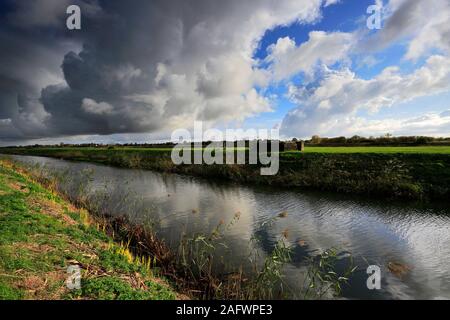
(375, 232)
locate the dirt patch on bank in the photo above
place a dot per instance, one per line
(34, 247)
(17, 186)
(49, 286)
(51, 208)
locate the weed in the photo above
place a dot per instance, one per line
(322, 279)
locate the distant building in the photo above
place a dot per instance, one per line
(292, 146)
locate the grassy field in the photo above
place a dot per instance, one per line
(41, 235)
(388, 150)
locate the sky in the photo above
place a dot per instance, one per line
(136, 71)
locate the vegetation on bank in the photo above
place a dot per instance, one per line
(418, 173)
(41, 235)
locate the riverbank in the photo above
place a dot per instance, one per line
(41, 235)
(410, 175)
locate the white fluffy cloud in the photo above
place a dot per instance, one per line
(91, 106)
(341, 94)
(330, 2)
(325, 48)
(429, 124)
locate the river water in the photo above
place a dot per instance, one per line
(375, 232)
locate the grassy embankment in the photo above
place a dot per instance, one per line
(41, 235)
(419, 173)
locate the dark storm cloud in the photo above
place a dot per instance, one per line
(136, 66)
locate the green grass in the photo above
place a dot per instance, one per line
(8, 292)
(41, 235)
(114, 288)
(386, 150)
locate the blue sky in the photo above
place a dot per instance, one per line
(345, 16)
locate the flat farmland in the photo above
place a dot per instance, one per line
(415, 150)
